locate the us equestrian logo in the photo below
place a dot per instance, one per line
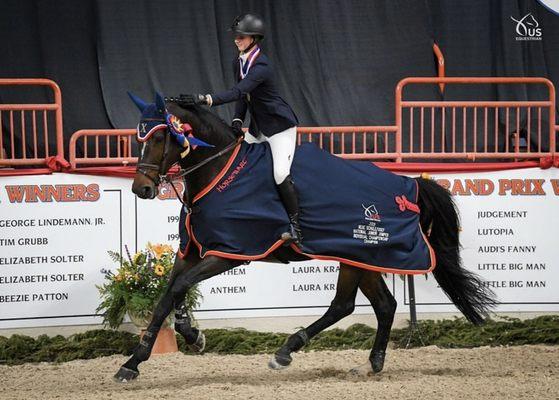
(527, 28)
(371, 213)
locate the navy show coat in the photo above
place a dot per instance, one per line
(270, 114)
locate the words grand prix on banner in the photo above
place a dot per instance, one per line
(503, 187)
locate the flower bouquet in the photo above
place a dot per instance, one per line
(137, 285)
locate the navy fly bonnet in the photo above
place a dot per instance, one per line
(156, 117)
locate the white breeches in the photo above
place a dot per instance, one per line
(282, 145)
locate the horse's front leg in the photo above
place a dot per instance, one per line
(208, 267)
(182, 282)
(129, 369)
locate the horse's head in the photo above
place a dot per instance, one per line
(164, 140)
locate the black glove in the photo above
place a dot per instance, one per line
(237, 128)
(191, 100)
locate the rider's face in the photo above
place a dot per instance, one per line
(243, 42)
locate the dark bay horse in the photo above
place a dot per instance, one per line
(159, 152)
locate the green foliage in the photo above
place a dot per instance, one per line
(459, 333)
(241, 341)
(20, 349)
(357, 336)
(138, 285)
(456, 333)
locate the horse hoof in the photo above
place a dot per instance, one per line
(378, 361)
(279, 362)
(378, 366)
(200, 344)
(362, 370)
(125, 375)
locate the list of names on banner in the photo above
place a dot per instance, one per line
(50, 240)
(500, 250)
(507, 231)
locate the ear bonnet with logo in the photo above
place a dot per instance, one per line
(156, 117)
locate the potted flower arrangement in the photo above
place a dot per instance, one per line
(137, 285)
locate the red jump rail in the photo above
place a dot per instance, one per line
(114, 146)
(451, 131)
(31, 128)
(475, 130)
(109, 147)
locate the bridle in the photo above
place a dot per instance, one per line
(143, 168)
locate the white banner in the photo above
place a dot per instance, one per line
(55, 232)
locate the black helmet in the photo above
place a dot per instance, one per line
(248, 24)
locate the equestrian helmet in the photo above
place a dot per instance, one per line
(248, 24)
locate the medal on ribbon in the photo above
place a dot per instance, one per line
(243, 70)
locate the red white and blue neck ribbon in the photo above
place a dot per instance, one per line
(182, 132)
(245, 67)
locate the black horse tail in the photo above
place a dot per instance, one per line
(440, 222)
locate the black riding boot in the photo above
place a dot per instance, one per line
(288, 195)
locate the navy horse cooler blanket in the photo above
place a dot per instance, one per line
(351, 211)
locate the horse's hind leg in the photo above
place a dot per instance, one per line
(374, 288)
(129, 369)
(342, 305)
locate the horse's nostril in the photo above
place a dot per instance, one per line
(146, 192)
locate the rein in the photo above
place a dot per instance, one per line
(143, 168)
(183, 172)
(169, 178)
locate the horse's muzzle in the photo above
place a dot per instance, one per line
(145, 191)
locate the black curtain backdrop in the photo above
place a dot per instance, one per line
(336, 63)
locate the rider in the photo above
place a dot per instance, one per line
(272, 119)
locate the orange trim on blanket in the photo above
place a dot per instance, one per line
(219, 176)
(241, 257)
(371, 267)
(202, 194)
(189, 232)
(236, 256)
(431, 251)
(321, 257)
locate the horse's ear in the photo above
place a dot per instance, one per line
(159, 103)
(139, 102)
